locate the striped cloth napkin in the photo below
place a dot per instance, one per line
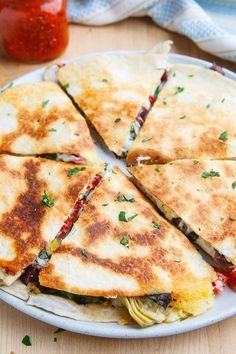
(211, 24)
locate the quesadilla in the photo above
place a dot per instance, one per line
(121, 251)
(199, 197)
(39, 200)
(113, 92)
(193, 117)
(39, 119)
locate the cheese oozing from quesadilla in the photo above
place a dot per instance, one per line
(193, 117)
(113, 91)
(122, 251)
(38, 201)
(39, 119)
(198, 197)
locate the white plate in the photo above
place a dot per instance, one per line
(225, 304)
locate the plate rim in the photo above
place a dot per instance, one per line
(102, 329)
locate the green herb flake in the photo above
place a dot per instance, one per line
(117, 120)
(223, 99)
(77, 134)
(47, 201)
(125, 198)
(182, 117)
(164, 101)
(157, 225)
(104, 80)
(234, 185)
(178, 261)
(106, 204)
(26, 341)
(191, 75)
(195, 161)
(212, 173)
(44, 103)
(122, 216)
(58, 330)
(52, 130)
(223, 136)
(75, 170)
(66, 86)
(232, 219)
(179, 90)
(124, 241)
(146, 139)
(174, 74)
(84, 252)
(221, 219)
(208, 105)
(113, 171)
(157, 169)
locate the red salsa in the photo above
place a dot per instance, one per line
(33, 30)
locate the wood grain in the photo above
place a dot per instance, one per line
(216, 339)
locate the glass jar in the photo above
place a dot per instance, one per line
(33, 30)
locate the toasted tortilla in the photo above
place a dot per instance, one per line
(157, 259)
(39, 118)
(205, 203)
(111, 89)
(26, 225)
(192, 111)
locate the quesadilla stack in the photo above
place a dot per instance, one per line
(39, 119)
(193, 117)
(113, 91)
(39, 200)
(199, 197)
(123, 253)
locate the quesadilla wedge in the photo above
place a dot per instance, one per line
(113, 92)
(39, 119)
(199, 197)
(193, 117)
(39, 200)
(123, 252)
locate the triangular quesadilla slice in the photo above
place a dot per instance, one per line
(113, 91)
(193, 117)
(199, 197)
(123, 252)
(39, 200)
(39, 119)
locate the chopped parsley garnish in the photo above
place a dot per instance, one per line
(26, 341)
(234, 185)
(52, 130)
(223, 99)
(75, 170)
(208, 105)
(156, 92)
(177, 260)
(195, 161)
(44, 103)
(179, 89)
(157, 169)
(124, 241)
(212, 173)
(182, 117)
(125, 198)
(164, 101)
(174, 74)
(77, 134)
(105, 204)
(232, 219)
(117, 120)
(58, 330)
(191, 75)
(114, 172)
(47, 201)
(157, 225)
(146, 139)
(84, 252)
(66, 86)
(122, 216)
(223, 136)
(104, 80)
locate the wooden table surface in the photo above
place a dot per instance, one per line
(217, 339)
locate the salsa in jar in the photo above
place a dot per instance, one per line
(33, 30)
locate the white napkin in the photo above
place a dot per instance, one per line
(211, 24)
